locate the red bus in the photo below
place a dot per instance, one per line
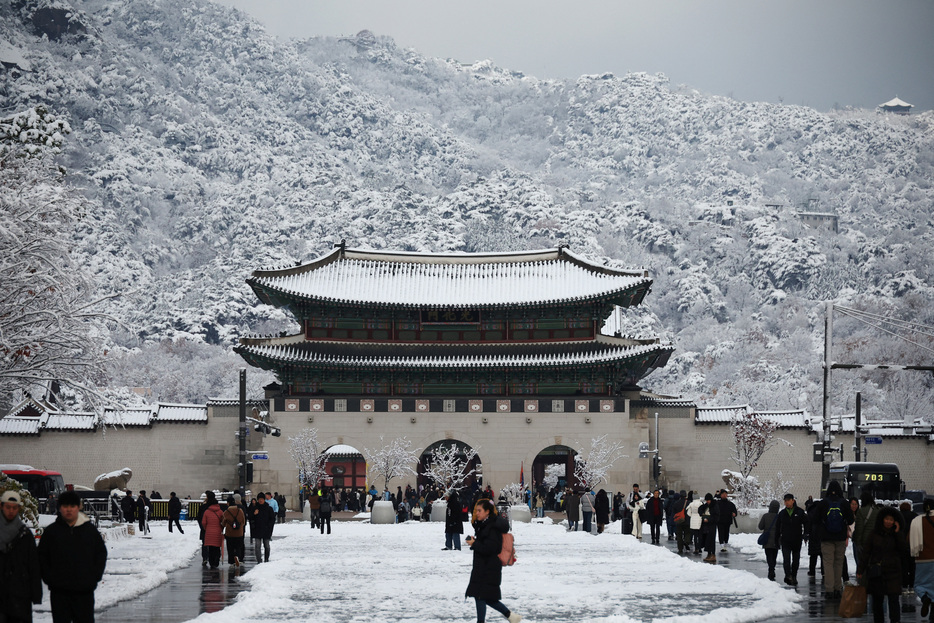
(41, 483)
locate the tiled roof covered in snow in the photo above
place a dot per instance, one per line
(723, 415)
(877, 428)
(128, 417)
(19, 426)
(450, 280)
(181, 413)
(70, 421)
(582, 354)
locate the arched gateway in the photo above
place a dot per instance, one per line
(502, 352)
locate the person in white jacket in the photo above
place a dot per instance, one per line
(637, 507)
(693, 512)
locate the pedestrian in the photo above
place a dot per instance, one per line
(212, 520)
(128, 507)
(908, 579)
(792, 532)
(628, 520)
(249, 518)
(655, 515)
(921, 545)
(881, 563)
(601, 509)
(264, 521)
(587, 500)
(638, 517)
(314, 507)
(453, 523)
(694, 505)
(175, 512)
(486, 575)
(710, 518)
(833, 516)
(539, 504)
(767, 524)
(814, 544)
(679, 507)
(272, 502)
(143, 507)
(572, 506)
(727, 513)
(72, 559)
(233, 522)
(324, 511)
(669, 514)
(864, 522)
(20, 576)
(208, 497)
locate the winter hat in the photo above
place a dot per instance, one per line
(69, 498)
(789, 496)
(834, 488)
(11, 497)
(237, 498)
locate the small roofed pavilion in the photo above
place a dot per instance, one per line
(897, 106)
(415, 324)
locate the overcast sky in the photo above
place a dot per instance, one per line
(815, 53)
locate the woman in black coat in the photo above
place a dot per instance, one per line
(487, 572)
(453, 523)
(881, 562)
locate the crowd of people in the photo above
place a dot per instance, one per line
(893, 547)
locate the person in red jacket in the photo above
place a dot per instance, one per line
(213, 523)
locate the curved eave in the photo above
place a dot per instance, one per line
(629, 296)
(275, 358)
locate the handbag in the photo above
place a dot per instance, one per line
(853, 602)
(764, 537)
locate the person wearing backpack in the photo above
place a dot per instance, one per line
(833, 517)
(233, 521)
(865, 522)
(486, 575)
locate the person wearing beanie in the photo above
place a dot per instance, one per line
(72, 558)
(20, 577)
(833, 517)
(791, 531)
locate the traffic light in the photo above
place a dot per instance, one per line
(249, 472)
(656, 467)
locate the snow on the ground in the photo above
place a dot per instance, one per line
(364, 572)
(135, 565)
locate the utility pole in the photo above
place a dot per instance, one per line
(242, 431)
(828, 338)
(857, 434)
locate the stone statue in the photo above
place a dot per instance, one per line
(113, 480)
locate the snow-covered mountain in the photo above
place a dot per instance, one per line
(206, 149)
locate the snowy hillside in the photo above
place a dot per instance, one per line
(206, 149)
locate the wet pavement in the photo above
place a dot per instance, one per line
(189, 592)
(194, 590)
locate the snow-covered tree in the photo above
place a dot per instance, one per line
(309, 456)
(392, 460)
(51, 328)
(593, 469)
(29, 511)
(514, 493)
(554, 473)
(753, 435)
(448, 467)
